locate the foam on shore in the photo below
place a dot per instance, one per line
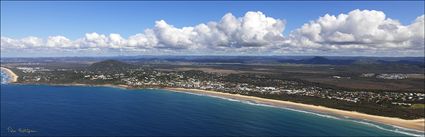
(12, 77)
(386, 127)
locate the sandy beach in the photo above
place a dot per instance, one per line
(11, 74)
(417, 124)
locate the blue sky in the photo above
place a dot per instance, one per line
(76, 28)
(74, 19)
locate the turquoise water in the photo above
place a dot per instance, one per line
(104, 111)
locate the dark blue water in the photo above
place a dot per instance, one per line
(103, 111)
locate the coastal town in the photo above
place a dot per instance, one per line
(217, 82)
(212, 68)
(252, 84)
(405, 104)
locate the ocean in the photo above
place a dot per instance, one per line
(3, 78)
(42, 110)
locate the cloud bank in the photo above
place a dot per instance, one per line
(366, 31)
(359, 32)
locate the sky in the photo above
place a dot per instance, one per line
(98, 28)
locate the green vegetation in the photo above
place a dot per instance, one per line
(335, 86)
(418, 106)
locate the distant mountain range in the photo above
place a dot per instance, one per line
(417, 61)
(319, 60)
(331, 60)
(359, 61)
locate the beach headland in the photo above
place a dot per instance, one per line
(12, 76)
(418, 124)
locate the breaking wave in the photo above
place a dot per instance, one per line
(390, 128)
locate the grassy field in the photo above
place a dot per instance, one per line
(418, 106)
(323, 74)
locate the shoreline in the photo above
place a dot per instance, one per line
(417, 124)
(13, 78)
(82, 85)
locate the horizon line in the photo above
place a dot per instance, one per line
(119, 56)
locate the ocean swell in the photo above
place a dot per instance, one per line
(391, 128)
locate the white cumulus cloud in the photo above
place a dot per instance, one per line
(357, 32)
(365, 31)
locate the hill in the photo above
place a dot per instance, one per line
(110, 66)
